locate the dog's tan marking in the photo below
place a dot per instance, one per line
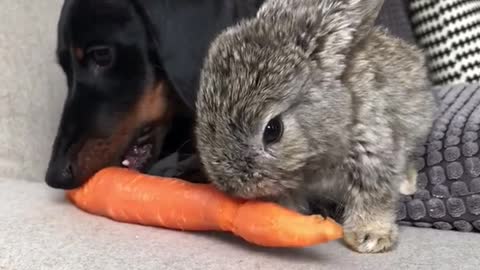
(153, 107)
(79, 54)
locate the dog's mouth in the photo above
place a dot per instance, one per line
(141, 152)
(136, 149)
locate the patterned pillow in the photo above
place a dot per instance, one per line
(449, 31)
(448, 195)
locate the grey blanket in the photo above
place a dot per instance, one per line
(448, 195)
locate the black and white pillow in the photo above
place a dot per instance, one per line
(449, 31)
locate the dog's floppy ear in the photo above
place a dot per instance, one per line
(183, 30)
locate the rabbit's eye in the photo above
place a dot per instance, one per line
(273, 131)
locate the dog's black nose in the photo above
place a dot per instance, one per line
(67, 171)
(61, 177)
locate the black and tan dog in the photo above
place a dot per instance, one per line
(132, 68)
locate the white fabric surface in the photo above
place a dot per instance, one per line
(39, 230)
(32, 87)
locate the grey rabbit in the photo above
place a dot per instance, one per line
(310, 100)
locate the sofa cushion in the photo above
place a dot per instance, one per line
(394, 16)
(32, 87)
(41, 230)
(448, 195)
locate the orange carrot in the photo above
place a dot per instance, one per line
(129, 196)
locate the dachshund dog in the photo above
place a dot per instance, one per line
(132, 69)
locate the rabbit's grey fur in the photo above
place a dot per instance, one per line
(354, 102)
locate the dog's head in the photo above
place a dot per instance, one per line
(118, 104)
(126, 62)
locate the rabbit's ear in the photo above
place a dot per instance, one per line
(361, 16)
(323, 27)
(343, 24)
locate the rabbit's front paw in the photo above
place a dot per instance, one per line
(409, 184)
(373, 238)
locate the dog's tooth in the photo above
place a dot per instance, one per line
(126, 163)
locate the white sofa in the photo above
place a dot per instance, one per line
(40, 230)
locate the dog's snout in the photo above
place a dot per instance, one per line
(61, 176)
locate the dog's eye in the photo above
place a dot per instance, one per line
(273, 131)
(101, 56)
